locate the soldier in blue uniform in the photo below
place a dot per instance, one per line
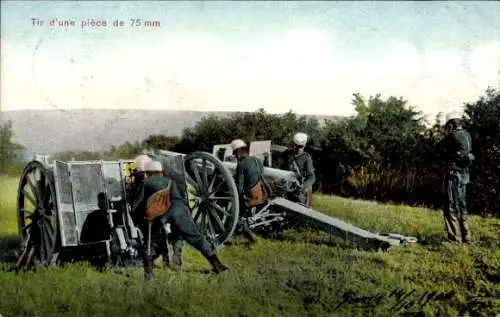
(253, 190)
(300, 162)
(456, 148)
(178, 215)
(249, 174)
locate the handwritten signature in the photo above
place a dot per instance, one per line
(403, 301)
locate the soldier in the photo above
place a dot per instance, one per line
(252, 188)
(159, 242)
(136, 188)
(456, 147)
(177, 214)
(154, 172)
(301, 163)
(250, 182)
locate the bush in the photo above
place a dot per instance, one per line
(484, 126)
(9, 151)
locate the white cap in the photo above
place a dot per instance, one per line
(237, 144)
(141, 162)
(300, 139)
(453, 115)
(153, 166)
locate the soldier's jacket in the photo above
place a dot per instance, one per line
(150, 186)
(455, 148)
(303, 165)
(248, 173)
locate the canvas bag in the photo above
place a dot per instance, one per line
(159, 203)
(260, 193)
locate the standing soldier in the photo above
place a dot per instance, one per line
(456, 147)
(163, 200)
(253, 190)
(300, 162)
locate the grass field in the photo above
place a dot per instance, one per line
(306, 274)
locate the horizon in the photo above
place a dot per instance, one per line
(161, 110)
(309, 58)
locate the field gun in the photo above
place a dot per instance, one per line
(80, 210)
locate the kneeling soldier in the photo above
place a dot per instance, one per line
(163, 202)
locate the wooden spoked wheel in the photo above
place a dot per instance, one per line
(213, 197)
(37, 217)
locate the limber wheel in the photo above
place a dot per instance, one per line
(37, 217)
(213, 196)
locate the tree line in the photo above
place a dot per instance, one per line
(385, 152)
(9, 151)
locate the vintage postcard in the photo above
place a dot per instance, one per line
(250, 158)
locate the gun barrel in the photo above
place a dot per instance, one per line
(270, 174)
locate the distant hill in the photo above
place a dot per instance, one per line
(50, 131)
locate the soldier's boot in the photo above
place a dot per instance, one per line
(161, 250)
(177, 255)
(166, 260)
(148, 267)
(243, 227)
(464, 228)
(175, 264)
(217, 265)
(247, 233)
(451, 227)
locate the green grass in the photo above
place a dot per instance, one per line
(304, 274)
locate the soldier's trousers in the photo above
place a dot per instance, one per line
(183, 227)
(161, 246)
(300, 197)
(455, 211)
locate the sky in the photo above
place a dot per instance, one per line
(308, 57)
